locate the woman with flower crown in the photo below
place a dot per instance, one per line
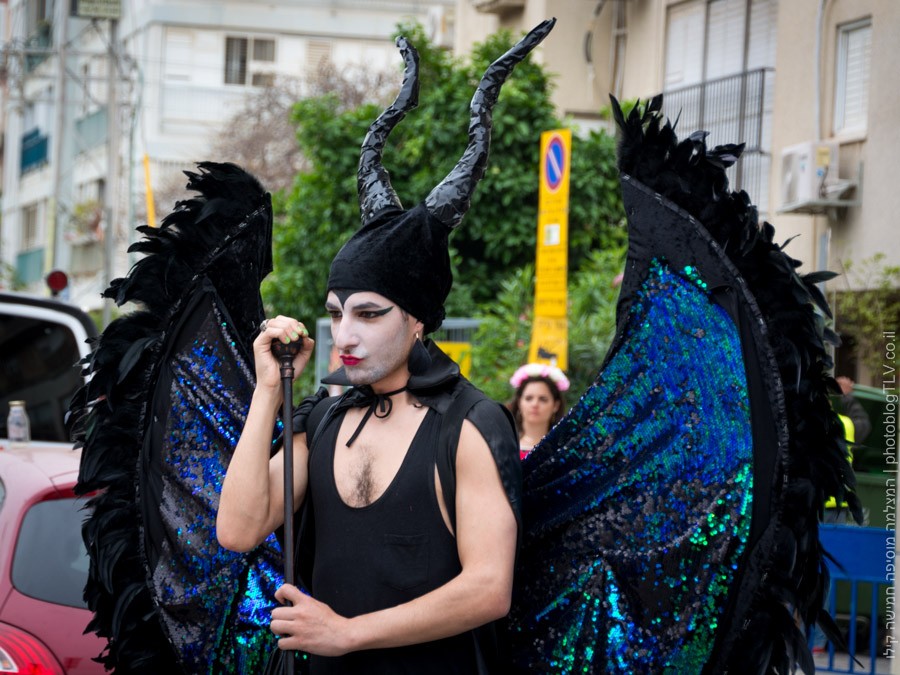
(539, 402)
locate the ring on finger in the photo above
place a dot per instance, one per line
(263, 325)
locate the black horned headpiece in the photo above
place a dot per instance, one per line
(403, 255)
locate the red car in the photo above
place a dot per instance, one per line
(43, 564)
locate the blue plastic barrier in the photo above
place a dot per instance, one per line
(862, 556)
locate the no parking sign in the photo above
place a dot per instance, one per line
(555, 161)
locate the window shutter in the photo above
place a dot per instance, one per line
(852, 90)
(317, 52)
(725, 38)
(179, 46)
(761, 47)
(235, 60)
(264, 50)
(684, 44)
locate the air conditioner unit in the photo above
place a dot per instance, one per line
(809, 174)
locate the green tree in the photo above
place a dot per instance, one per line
(497, 236)
(864, 315)
(9, 278)
(496, 241)
(501, 343)
(593, 294)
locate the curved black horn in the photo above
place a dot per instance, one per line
(373, 183)
(449, 201)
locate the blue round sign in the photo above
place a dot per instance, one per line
(554, 163)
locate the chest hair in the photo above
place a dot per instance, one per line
(364, 471)
(363, 480)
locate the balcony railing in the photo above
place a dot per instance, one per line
(40, 41)
(30, 265)
(733, 109)
(34, 151)
(90, 130)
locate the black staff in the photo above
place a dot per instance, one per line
(285, 354)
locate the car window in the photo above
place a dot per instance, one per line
(38, 366)
(50, 560)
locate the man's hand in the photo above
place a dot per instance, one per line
(287, 330)
(309, 625)
(846, 384)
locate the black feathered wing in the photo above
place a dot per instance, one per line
(637, 505)
(213, 604)
(670, 518)
(171, 385)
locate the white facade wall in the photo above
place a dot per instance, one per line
(173, 102)
(714, 37)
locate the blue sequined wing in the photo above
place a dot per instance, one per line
(638, 504)
(157, 420)
(213, 604)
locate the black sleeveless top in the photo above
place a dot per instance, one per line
(384, 554)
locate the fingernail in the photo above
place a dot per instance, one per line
(285, 339)
(294, 335)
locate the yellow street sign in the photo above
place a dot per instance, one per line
(549, 332)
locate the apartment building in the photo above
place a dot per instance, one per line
(806, 84)
(91, 88)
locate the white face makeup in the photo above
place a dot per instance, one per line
(372, 336)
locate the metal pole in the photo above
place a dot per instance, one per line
(59, 136)
(129, 209)
(112, 167)
(285, 354)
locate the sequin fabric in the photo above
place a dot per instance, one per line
(637, 505)
(214, 604)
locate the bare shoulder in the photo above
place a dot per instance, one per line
(488, 436)
(475, 464)
(472, 445)
(484, 511)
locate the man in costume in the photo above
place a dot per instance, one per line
(669, 520)
(408, 564)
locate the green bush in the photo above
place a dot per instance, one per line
(501, 342)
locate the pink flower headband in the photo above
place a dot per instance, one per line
(552, 373)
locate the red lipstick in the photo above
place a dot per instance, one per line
(350, 360)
